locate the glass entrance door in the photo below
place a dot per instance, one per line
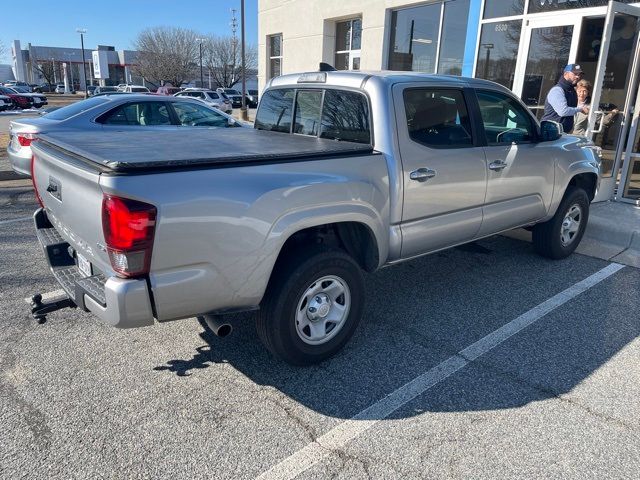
(614, 93)
(550, 45)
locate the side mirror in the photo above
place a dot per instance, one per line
(550, 131)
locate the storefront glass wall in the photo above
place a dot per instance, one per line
(429, 38)
(498, 51)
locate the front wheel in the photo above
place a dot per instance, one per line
(313, 305)
(558, 237)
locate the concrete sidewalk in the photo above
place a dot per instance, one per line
(613, 233)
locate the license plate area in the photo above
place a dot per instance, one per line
(84, 265)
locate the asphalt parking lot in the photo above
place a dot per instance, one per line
(484, 361)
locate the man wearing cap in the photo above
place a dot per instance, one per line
(562, 101)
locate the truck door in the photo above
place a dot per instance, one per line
(444, 169)
(520, 169)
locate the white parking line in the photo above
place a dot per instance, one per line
(342, 434)
(48, 295)
(14, 220)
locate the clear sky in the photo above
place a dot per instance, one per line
(117, 22)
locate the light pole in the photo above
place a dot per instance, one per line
(82, 31)
(243, 109)
(200, 40)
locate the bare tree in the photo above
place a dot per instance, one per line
(166, 53)
(46, 69)
(222, 57)
(3, 49)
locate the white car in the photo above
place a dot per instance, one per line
(211, 98)
(60, 88)
(134, 89)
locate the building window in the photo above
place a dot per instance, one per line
(498, 51)
(348, 39)
(503, 8)
(429, 38)
(275, 55)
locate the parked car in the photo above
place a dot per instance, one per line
(134, 89)
(59, 88)
(17, 83)
(45, 88)
(114, 111)
(39, 100)
(20, 100)
(233, 95)
(209, 97)
(344, 172)
(104, 90)
(252, 98)
(5, 103)
(91, 90)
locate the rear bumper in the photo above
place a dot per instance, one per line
(20, 159)
(119, 302)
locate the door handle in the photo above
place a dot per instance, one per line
(498, 165)
(422, 174)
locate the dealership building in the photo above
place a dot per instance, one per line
(521, 44)
(66, 63)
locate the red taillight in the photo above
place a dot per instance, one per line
(33, 180)
(128, 227)
(25, 139)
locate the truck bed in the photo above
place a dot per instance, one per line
(143, 150)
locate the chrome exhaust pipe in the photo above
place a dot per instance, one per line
(217, 325)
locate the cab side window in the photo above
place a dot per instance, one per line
(505, 121)
(276, 110)
(438, 118)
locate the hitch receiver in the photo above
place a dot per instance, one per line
(40, 310)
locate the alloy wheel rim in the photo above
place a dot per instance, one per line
(322, 310)
(571, 225)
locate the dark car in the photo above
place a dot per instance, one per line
(233, 95)
(252, 98)
(44, 88)
(91, 90)
(20, 100)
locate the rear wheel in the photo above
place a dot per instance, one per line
(558, 237)
(312, 306)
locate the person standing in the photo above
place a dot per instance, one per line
(581, 120)
(561, 104)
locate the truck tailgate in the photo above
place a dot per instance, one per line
(72, 198)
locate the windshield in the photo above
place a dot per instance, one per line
(76, 108)
(21, 89)
(6, 91)
(139, 89)
(231, 91)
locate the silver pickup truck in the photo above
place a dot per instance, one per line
(344, 172)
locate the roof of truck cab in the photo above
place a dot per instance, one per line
(144, 150)
(357, 79)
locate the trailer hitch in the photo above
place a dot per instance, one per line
(40, 310)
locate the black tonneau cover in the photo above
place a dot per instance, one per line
(139, 150)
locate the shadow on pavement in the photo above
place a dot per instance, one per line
(438, 305)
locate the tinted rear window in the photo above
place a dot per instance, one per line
(275, 110)
(76, 108)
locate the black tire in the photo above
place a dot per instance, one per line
(547, 236)
(276, 321)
